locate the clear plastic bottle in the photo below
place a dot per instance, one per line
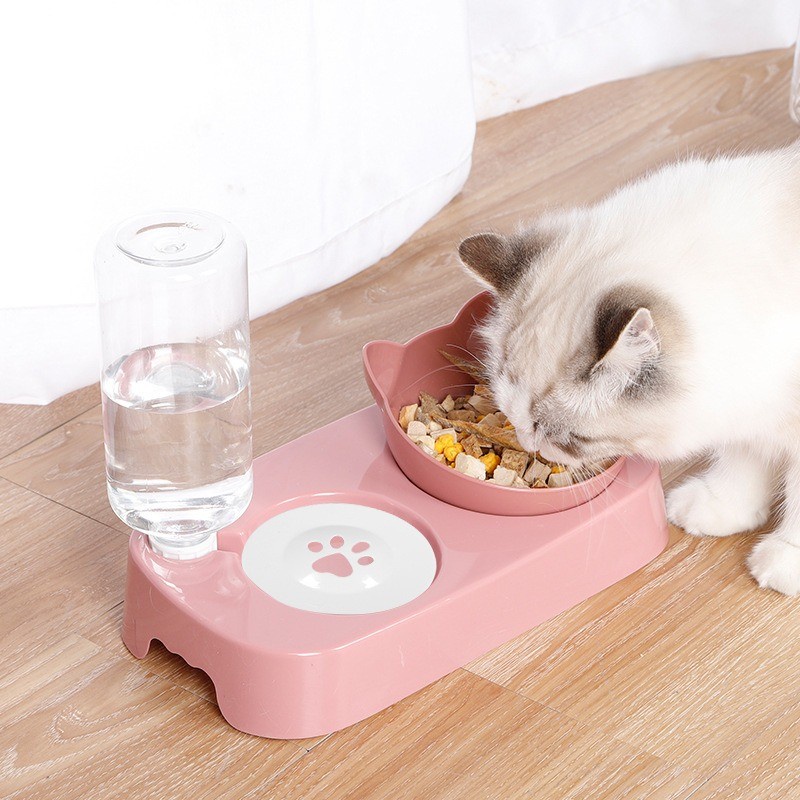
(175, 385)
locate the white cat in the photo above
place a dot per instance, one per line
(665, 321)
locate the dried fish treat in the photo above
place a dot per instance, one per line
(493, 420)
(497, 436)
(428, 403)
(464, 415)
(469, 367)
(482, 405)
(421, 416)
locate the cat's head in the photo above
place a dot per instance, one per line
(577, 358)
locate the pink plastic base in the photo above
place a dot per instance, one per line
(285, 673)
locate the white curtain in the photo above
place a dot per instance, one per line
(326, 130)
(525, 52)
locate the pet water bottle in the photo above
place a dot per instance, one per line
(175, 383)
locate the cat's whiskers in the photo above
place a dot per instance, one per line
(433, 372)
(472, 355)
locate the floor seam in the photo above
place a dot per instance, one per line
(62, 505)
(10, 453)
(612, 737)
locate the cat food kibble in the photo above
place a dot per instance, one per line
(559, 479)
(503, 476)
(471, 466)
(491, 461)
(514, 459)
(472, 436)
(537, 471)
(416, 429)
(407, 415)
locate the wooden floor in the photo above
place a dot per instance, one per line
(681, 681)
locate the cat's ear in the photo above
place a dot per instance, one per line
(495, 260)
(628, 343)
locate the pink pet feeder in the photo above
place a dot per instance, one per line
(363, 570)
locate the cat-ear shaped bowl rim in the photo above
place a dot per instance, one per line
(444, 482)
(381, 349)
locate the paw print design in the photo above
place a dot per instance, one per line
(339, 563)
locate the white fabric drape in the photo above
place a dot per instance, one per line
(326, 130)
(525, 52)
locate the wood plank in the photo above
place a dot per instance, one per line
(58, 568)
(105, 632)
(22, 424)
(679, 672)
(768, 768)
(67, 466)
(77, 724)
(466, 738)
(672, 659)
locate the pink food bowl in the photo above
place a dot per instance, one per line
(396, 373)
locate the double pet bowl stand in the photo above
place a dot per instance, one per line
(350, 583)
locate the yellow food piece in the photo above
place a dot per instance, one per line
(556, 468)
(442, 442)
(453, 450)
(490, 461)
(508, 426)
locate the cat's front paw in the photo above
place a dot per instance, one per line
(775, 564)
(694, 507)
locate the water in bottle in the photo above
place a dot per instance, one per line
(178, 440)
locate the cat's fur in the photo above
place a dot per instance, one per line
(665, 321)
